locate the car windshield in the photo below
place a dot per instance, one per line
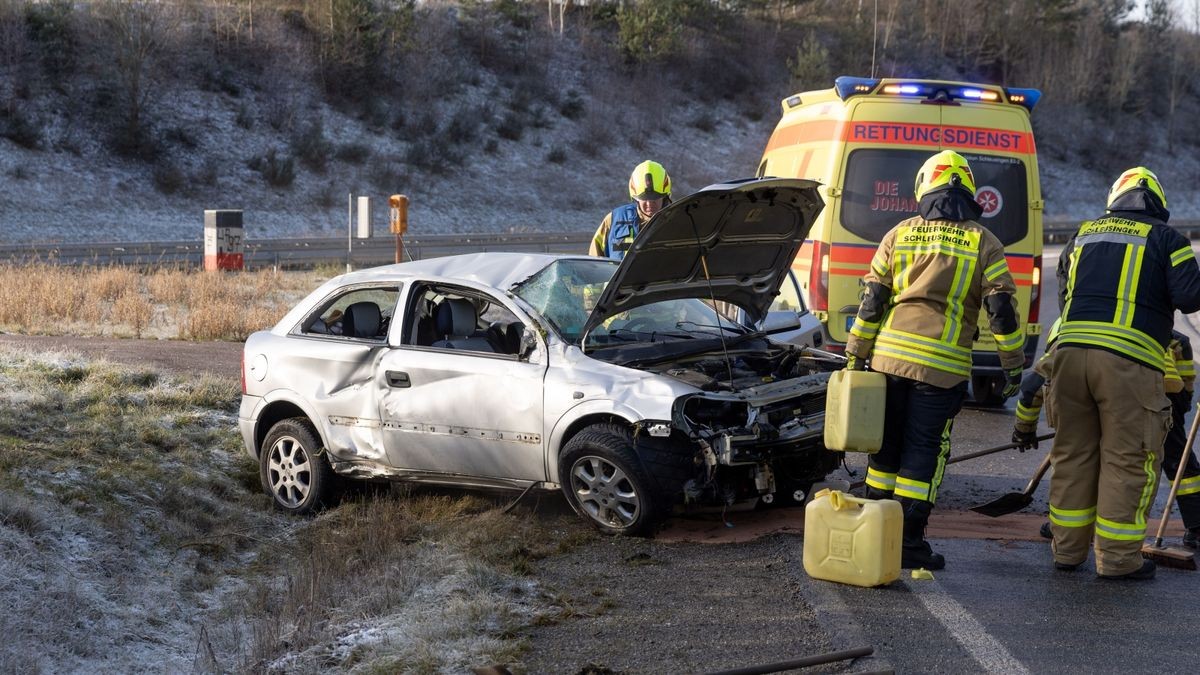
(566, 291)
(879, 192)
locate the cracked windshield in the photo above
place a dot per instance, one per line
(565, 292)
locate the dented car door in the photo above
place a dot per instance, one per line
(459, 412)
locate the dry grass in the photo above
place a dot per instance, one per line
(403, 583)
(133, 531)
(164, 303)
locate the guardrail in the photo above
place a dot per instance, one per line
(307, 252)
(296, 253)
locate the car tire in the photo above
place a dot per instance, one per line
(293, 468)
(605, 482)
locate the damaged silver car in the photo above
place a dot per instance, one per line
(627, 386)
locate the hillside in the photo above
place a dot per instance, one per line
(124, 121)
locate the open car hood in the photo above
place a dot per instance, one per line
(733, 242)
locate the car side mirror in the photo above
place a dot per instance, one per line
(529, 343)
(777, 322)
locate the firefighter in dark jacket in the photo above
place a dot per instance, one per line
(1121, 278)
(1180, 385)
(916, 323)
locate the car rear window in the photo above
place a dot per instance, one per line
(878, 192)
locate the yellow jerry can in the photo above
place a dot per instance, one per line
(854, 411)
(852, 540)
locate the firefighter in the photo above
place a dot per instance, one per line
(1180, 387)
(650, 191)
(1121, 278)
(916, 323)
(1179, 382)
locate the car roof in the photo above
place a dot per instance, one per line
(497, 269)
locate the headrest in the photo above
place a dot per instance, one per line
(456, 316)
(361, 320)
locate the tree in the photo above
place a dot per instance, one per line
(134, 34)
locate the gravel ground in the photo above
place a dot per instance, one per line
(645, 606)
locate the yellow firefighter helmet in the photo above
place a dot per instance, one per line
(943, 171)
(649, 180)
(1137, 177)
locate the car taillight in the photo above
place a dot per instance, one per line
(243, 373)
(818, 277)
(1035, 290)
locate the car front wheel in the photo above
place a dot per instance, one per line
(297, 477)
(604, 481)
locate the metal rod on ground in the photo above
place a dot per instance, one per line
(971, 455)
(816, 660)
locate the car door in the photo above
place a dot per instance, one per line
(457, 406)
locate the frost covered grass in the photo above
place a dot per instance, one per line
(134, 536)
(126, 302)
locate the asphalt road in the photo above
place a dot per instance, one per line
(999, 606)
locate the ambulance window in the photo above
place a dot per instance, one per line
(878, 192)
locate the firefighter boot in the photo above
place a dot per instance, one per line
(1191, 536)
(915, 551)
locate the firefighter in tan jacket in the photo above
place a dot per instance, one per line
(916, 323)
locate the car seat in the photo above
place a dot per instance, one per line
(512, 337)
(457, 322)
(426, 329)
(361, 320)
(505, 338)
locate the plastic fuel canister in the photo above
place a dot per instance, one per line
(854, 405)
(852, 540)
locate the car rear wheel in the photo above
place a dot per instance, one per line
(293, 470)
(604, 481)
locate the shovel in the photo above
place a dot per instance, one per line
(1014, 501)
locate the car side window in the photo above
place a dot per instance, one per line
(361, 313)
(789, 296)
(458, 319)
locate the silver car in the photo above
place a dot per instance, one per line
(627, 386)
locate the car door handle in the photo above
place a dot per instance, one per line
(397, 379)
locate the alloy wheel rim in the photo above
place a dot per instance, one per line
(289, 472)
(605, 492)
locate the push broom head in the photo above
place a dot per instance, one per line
(1170, 556)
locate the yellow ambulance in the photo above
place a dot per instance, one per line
(864, 140)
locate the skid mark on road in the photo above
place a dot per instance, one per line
(961, 625)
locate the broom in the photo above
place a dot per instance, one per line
(1174, 556)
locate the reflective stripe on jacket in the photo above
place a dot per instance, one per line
(1121, 278)
(927, 283)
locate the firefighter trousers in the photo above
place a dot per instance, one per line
(917, 421)
(1189, 488)
(1113, 415)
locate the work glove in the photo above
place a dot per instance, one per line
(1025, 440)
(855, 363)
(1013, 384)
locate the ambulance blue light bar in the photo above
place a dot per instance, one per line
(1023, 97)
(936, 92)
(853, 86)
